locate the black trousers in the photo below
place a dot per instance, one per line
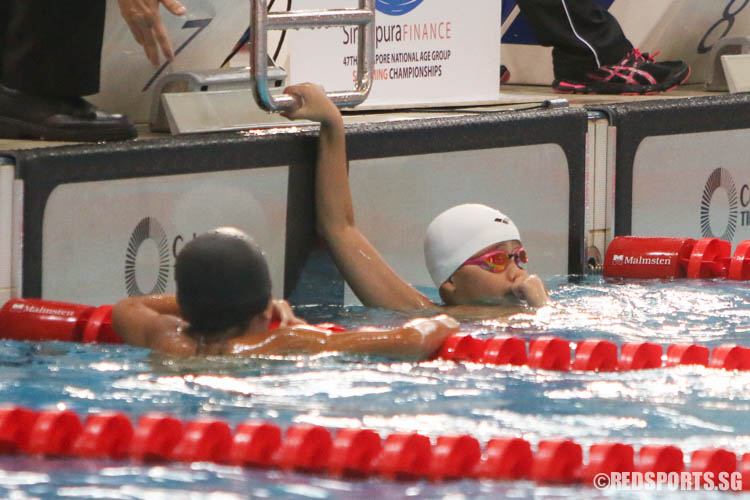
(583, 35)
(51, 47)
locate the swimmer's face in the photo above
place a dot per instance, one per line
(475, 284)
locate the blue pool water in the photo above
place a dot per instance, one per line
(691, 407)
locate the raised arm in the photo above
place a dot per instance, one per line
(416, 340)
(364, 269)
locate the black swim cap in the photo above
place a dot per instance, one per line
(222, 280)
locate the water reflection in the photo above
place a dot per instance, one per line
(691, 407)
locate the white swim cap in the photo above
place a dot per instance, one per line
(460, 232)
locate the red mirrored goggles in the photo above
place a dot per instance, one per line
(497, 260)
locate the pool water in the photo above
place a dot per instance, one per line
(690, 407)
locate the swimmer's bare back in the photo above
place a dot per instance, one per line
(418, 339)
(155, 322)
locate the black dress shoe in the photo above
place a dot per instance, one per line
(58, 119)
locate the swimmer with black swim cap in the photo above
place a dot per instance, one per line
(223, 305)
(473, 252)
(223, 283)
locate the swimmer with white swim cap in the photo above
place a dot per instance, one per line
(223, 306)
(473, 252)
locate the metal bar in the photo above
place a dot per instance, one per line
(317, 19)
(261, 21)
(258, 53)
(365, 54)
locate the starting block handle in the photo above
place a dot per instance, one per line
(261, 21)
(307, 18)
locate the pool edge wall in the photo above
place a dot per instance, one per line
(681, 167)
(85, 237)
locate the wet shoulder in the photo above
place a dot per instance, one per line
(174, 340)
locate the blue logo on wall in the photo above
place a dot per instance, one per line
(396, 7)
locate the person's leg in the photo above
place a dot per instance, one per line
(53, 48)
(591, 53)
(583, 34)
(49, 57)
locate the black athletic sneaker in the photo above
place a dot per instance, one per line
(636, 74)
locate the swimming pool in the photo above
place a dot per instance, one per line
(690, 407)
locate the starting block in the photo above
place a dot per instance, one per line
(731, 56)
(209, 101)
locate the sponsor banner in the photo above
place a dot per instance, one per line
(640, 260)
(105, 240)
(201, 39)
(680, 29)
(428, 52)
(528, 183)
(639, 266)
(41, 309)
(693, 186)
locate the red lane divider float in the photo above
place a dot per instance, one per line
(30, 319)
(37, 319)
(54, 433)
(739, 268)
(608, 458)
(639, 356)
(204, 441)
(558, 462)
(104, 435)
(155, 437)
(645, 258)
(506, 458)
(348, 452)
(254, 444)
(15, 429)
(687, 354)
(34, 319)
(354, 452)
(552, 353)
(661, 459)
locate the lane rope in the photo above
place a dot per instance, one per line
(38, 320)
(668, 258)
(556, 354)
(351, 452)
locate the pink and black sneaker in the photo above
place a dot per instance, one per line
(636, 74)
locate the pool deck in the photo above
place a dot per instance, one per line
(512, 97)
(570, 155)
